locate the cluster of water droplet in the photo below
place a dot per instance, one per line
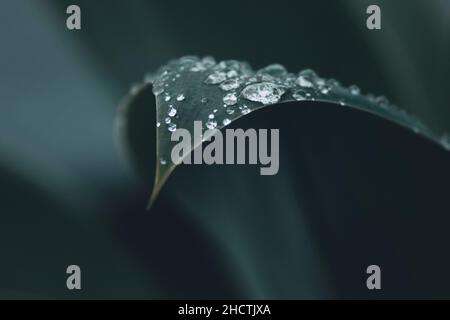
(244, 90)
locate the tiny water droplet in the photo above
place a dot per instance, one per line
(230, 84)
(172, 127)
(211, 116)
(204, 100)
(354, 90)
(211, 124)
(301, 95)
(230, 111)
(230, 99)
(382, 101)
(226, 121)
(158, 124)
(162, 161)
(167, 98)
(244, 109)
(216, 77)
(167, 120)
(172, 111)
(181, 97)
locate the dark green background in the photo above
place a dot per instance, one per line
(352, 190)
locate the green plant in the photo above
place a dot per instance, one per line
(190, 89)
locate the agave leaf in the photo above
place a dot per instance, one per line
(192, 89)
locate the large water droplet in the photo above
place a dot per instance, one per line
(264, 92)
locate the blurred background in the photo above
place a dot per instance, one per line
(352, 190)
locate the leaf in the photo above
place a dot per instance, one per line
(192, 89)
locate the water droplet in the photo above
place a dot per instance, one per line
(167, 98)
(172, 111)
(230, 84)
(226, 121)
(230, 99)
(308, 73)
(215, 110)
(264, 92)
(301, 95)
(245, 109)
(162, 161)
(208, 61)
(198, 66)
(167, 120)
(354, 90)
(232, 74)
(211, 116)
(382, 101)
(274, 70)
(204, 100)
(172, 127)
(216, 78)
(211, 124)
(181, 97)
(306, 78)
(230, 111)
